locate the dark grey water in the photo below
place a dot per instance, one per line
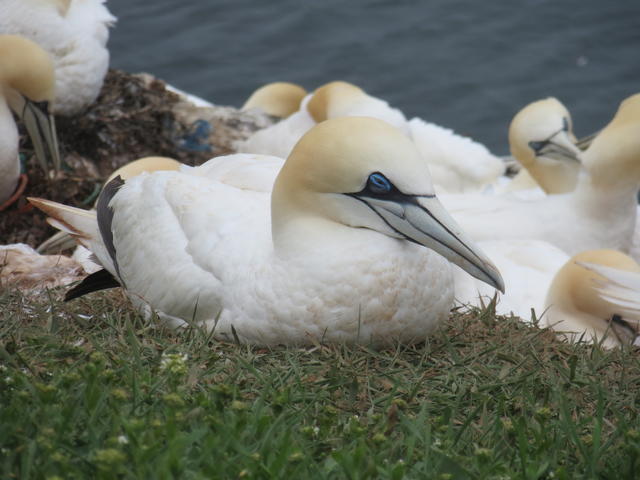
(469, 65)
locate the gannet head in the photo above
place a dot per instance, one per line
(279, 99)
(613, 158)
(541, 139)
(363, 173)
(27, 81)
(329, 100)
(576, 300)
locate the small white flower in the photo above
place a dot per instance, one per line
(175, 363)
(123, 440)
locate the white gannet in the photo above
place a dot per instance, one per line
(278, 99)
(74, 33)
(595, 296)
(26, 88)
(599, 213)
(335, 252)
(541, 139)
(457, 163)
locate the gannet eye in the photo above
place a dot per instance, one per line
(378, 184)
(537, 146)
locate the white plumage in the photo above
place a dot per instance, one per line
(74, 33)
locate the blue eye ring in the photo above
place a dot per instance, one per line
(378, 184)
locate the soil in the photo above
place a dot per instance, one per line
(134, 116)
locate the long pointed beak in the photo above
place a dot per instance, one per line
(423, 220)
(561, 148)
(41, 127)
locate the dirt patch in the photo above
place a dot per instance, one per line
(134, 116)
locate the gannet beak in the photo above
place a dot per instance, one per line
(561, 148)
(423, 220)
(41, 127)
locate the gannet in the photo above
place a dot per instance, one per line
(26, 87)
(336, 252)
(278, 99)
(457, 163)
(74, 33)
(596, 297)
(599, 213)
(541, 139)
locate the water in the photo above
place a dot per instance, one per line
(469, 65)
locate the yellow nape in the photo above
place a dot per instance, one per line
(329, 96)
(145, 164)
(279, 99)
(26, 68)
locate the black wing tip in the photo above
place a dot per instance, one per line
(100, 280)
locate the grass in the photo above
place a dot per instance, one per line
(90, 390)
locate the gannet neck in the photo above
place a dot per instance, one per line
(613, 158)
(26, 68)
(279, 99)
(334, 98)
(542, 140)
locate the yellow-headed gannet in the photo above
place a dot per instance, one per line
(541, 139)
(278, 99)
(335, 252)
(599, 213)
(26, 87)
(596, 297)
(74, 33)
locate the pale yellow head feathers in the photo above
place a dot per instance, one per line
(544, 121)
(145, 164)
(279, 99)
(338, 155)
(573, 288)
(26, 68)
(328, 99)
(613, 158)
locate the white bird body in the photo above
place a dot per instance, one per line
(318, 257)
(586, 219)
(457, 163)
(74, 33)
(226, 257)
